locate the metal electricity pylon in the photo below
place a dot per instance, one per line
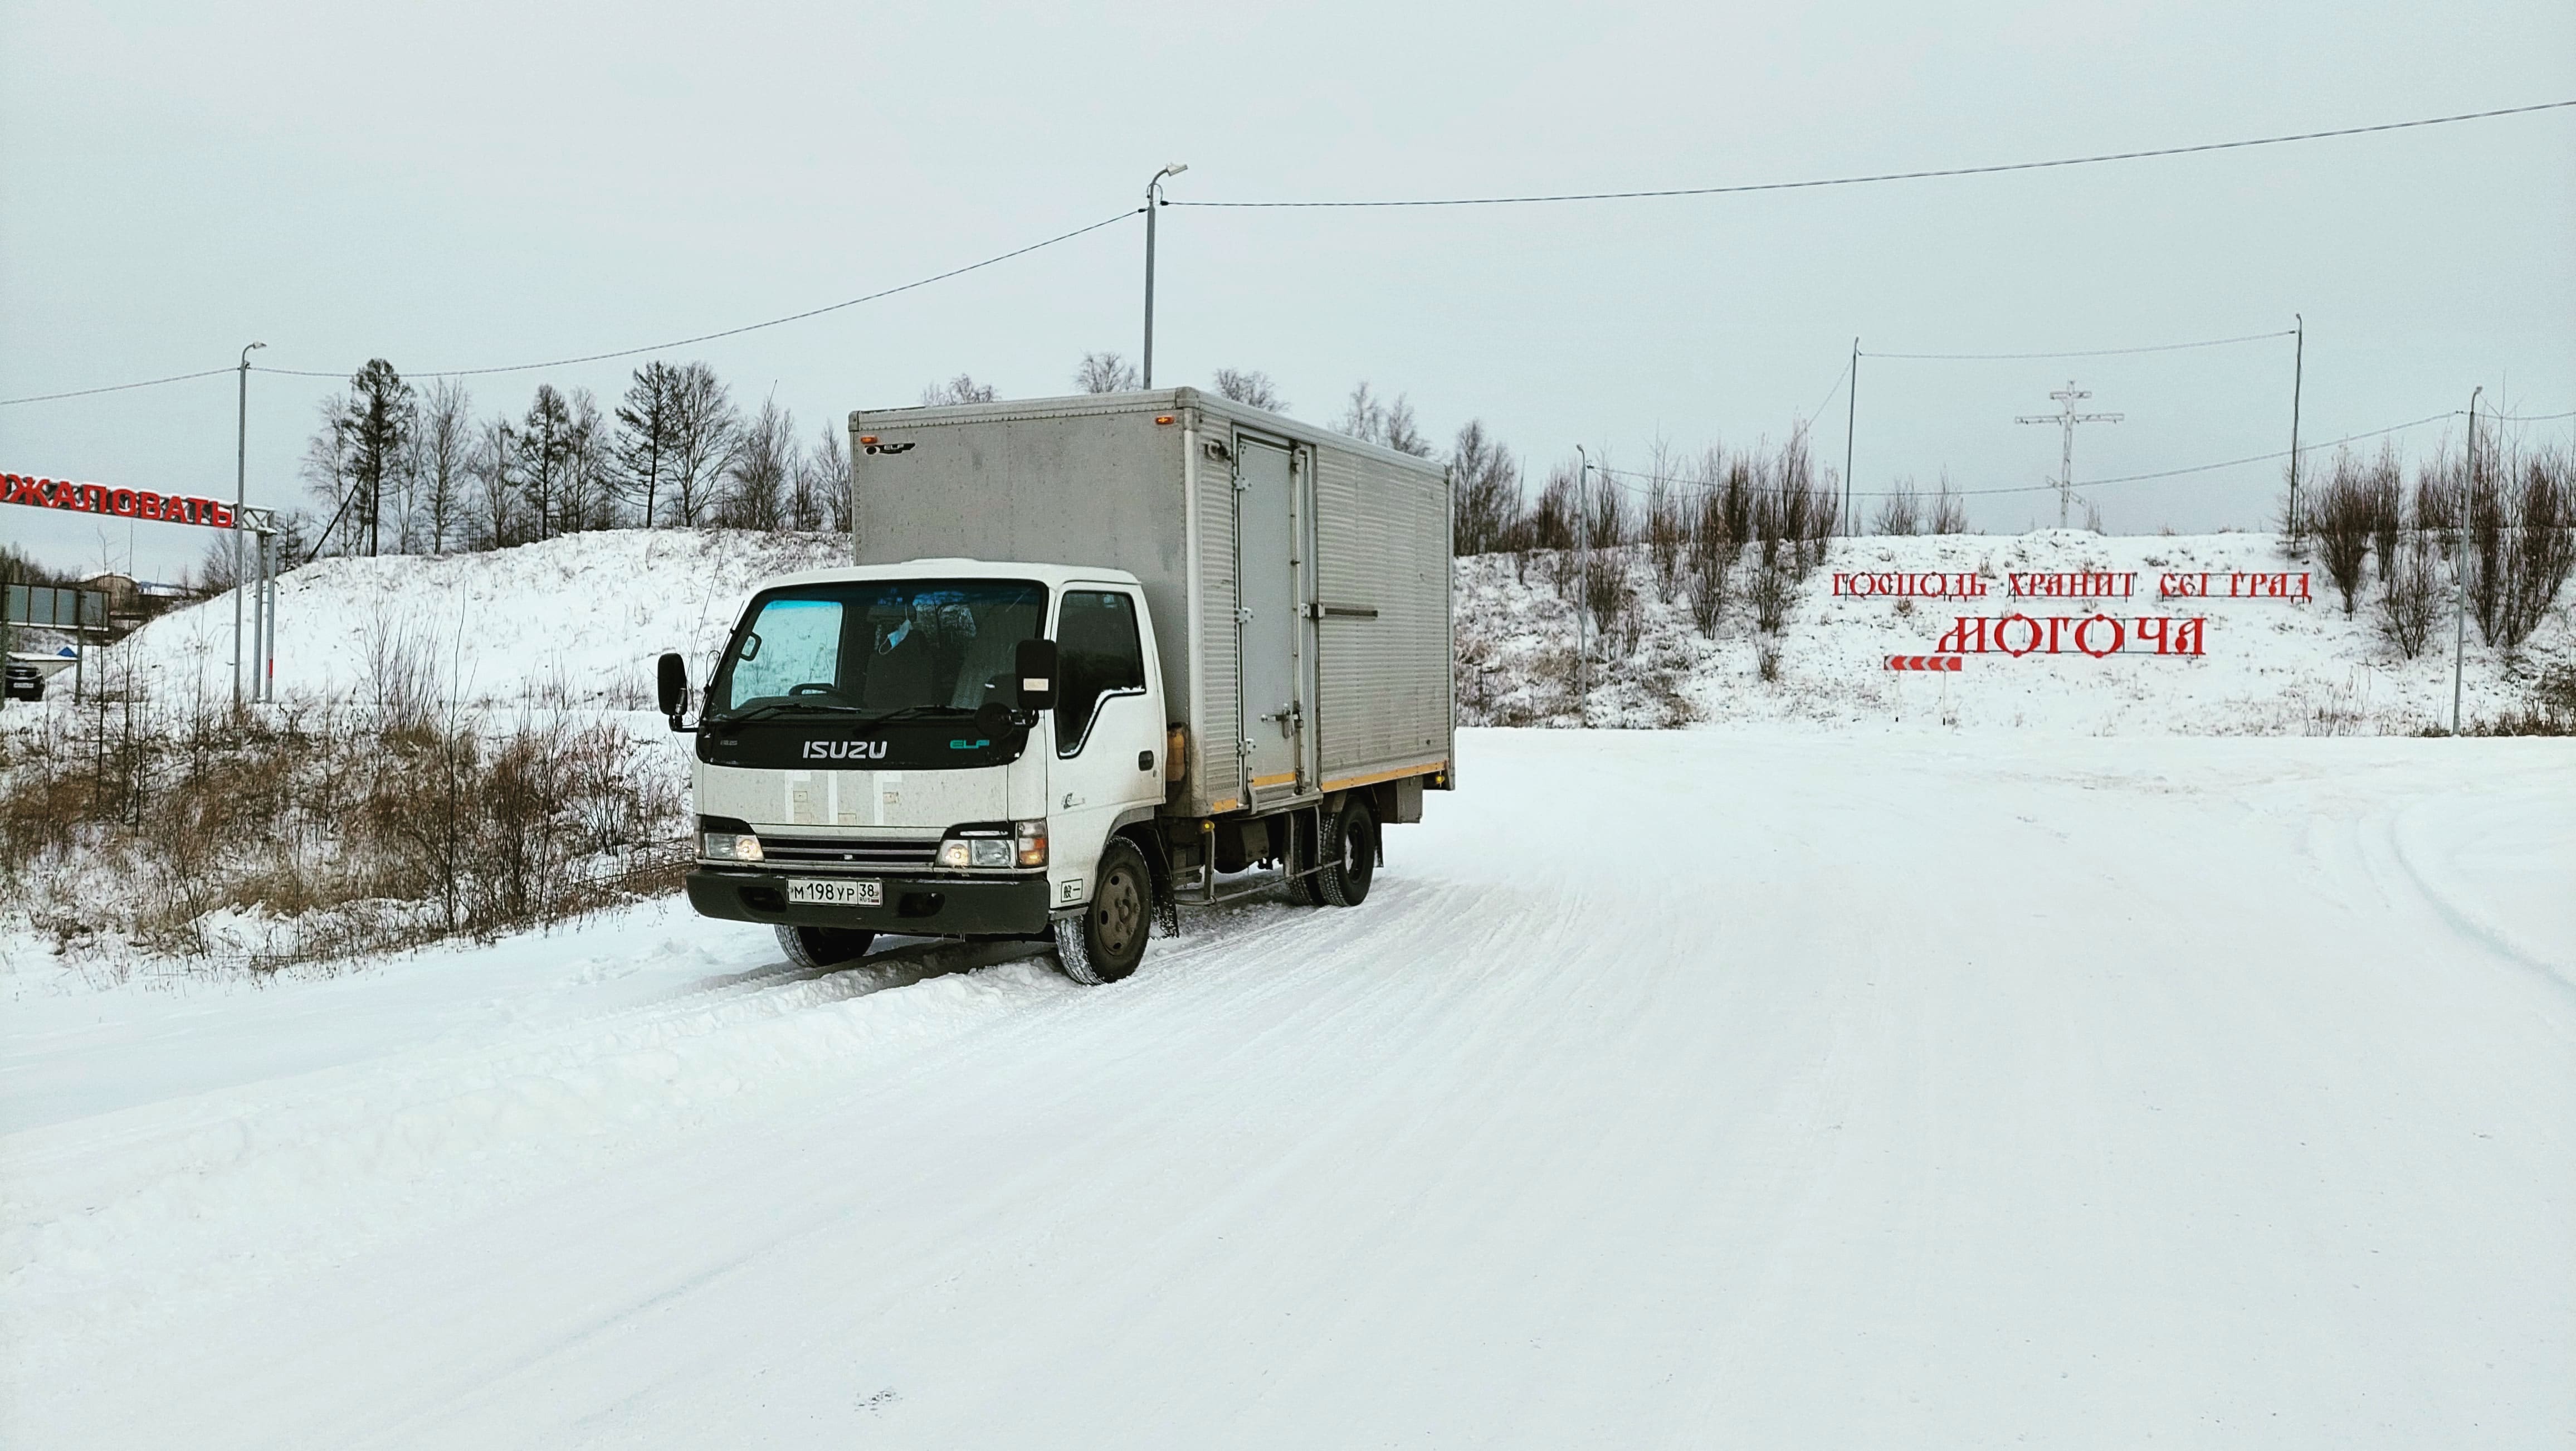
(2066, 418)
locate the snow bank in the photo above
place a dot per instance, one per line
(586, 613)
(2269, 666)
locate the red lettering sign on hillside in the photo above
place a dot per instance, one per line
(106, 499)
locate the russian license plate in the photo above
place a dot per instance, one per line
(841, 893)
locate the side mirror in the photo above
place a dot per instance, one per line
(674, 682)
(1034, 664)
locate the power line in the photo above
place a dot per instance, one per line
(1618, 477)
(113, 387)
(625, 352)
(2089, 352)
(1946, 171)
(746, 327)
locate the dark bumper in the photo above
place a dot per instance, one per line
(914, 906)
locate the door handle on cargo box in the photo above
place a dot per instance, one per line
(1345, 612)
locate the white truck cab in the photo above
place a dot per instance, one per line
(871, 758)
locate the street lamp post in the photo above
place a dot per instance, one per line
(1153, 203)
(241, 500)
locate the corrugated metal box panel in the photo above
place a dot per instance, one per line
(1383, 545)
(1216, 727)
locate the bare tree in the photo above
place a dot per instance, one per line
(704, 429)
(1664, 524)
(496, 513)
(1900, 512)
(1251, 388)
(326, 470)
(1099, 373)
(1949, 511)
(1371, 419)
(2410, 595)
(1712, 548)
(1485, 492)
(442, 460)
(961, 389)
(762, 469)
(824, 472)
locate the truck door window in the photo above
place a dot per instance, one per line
(1098, 653)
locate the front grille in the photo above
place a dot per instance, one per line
(848, 853)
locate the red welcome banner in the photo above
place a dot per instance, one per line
(108, 499)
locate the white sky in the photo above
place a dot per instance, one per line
(470, 184)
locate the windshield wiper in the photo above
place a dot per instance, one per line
(783, 707)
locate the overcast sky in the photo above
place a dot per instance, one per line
(473, 184)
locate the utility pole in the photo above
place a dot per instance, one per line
(1851, 416)
(2460, 565)
(2298, 366)
(1153, 204)
(2066, 418)
(241, 500)
(1582, 585)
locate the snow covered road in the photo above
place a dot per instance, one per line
(1771, 1090)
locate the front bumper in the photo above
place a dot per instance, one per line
(916, 906)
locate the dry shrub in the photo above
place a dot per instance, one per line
(2411, 594)
(1712, 557)
(1772, 592)
(2342, 511)
(1949, 511)
(1900, 512)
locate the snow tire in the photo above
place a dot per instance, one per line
(1351, 841)
(820, 949)
(1104, 941)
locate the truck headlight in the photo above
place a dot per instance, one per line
(986, 853)
(726, 846)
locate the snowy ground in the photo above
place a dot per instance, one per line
(1791, 1090)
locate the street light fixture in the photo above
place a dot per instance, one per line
(241, 499)
(1153, 203)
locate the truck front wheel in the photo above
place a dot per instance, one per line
(1105, 941)
(1350, 847)
(819, 949)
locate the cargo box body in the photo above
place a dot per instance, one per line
(1298, 580)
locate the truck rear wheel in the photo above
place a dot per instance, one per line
(818, 949)
(1104, 942)
(1350, 860)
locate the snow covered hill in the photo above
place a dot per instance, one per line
(577, 618)
(581, 618)
(2267, 666)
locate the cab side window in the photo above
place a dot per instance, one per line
(1098, 652)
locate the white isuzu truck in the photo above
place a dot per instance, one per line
(1096, 658)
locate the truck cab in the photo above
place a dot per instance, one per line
(944, 748)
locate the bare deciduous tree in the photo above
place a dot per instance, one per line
(1251, 388)
(961, 389)
(823, 475)
(1372, 419)
(442, 461)
(1949, 511)
(1900, 512)
(762, 469)
(704, 427)
(1485, 492)
(1099, 373)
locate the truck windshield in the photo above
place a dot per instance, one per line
(877, 647)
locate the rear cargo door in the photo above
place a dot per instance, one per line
(1266, 529)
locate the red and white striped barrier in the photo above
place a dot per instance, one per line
(1924, 662)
